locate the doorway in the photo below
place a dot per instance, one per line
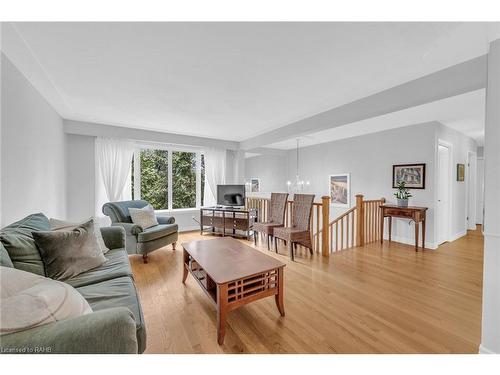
(443, 206)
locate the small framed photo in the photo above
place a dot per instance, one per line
(412, 174)
(460, 172)
(254, 185)
(340, 189)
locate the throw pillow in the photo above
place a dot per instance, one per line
(143, 217)
(62, 225)
(69, 253)
(28, 300)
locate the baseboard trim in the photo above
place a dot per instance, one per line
(456, 236)
(189, 228)
(483, 350)
(411, 241)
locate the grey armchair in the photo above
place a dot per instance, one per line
(139, 240)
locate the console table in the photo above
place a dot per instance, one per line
(227, 218)
(417, 214)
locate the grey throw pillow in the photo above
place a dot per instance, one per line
(144, 217)
(61, 225)
(68, 253)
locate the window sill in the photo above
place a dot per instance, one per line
(176, 210)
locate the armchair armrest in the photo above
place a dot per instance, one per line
(165, 219)
(106, 331)
(114, 237)
(130, 228)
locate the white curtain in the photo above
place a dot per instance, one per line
(215, 174)
(113, 158)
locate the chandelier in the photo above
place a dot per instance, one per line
(298, 185)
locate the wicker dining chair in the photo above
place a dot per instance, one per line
(276, 217)
(299, 232)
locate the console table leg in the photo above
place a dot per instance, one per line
(221, 312)
(279, 297)
(423, 234)
(416, 235)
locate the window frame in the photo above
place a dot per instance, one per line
(170, 149)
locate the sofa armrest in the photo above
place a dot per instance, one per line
(165, 219)
(108, 331)
(130, 228)
(114, 237)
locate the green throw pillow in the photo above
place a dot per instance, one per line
(69, 253)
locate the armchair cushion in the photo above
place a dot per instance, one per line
(156, 232)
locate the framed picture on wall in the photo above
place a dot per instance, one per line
(254, 185)
(460, 172)
(339, 186)
(412, 174)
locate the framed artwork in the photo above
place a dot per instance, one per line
(340, 189)
(460, 172)
(254, 185)
(412, 174)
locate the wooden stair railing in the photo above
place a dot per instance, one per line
(355, 227)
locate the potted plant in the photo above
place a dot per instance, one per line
(402, 194)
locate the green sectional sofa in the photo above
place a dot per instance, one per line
(116, 324)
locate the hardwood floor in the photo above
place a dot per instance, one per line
(374, 299)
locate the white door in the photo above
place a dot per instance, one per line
(479, 191)
(443, 194)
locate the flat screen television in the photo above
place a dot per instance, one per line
(231, 195)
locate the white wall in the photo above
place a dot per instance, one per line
(80, 177)
(33, 142)
(271, 170)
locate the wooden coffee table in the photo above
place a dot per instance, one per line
(232, 274)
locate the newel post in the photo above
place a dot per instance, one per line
(360, 227)
(325, 234)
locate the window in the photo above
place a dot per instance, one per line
(168, 178)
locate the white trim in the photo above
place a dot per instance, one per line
(484, 350)
(441, 142)
(470, 191)
(411, 241)
(490, 234)
(176, 210)
(170, 184)
(458, 235)
(189, 228)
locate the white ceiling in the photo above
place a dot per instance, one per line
(232, 80)
(464, 113)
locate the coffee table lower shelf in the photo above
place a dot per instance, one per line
(231, 295)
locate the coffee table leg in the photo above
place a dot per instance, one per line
(221, 312)
(185, 265)
(279, 297)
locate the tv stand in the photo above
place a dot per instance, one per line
(230, 221)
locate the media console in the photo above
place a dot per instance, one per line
(237, 221)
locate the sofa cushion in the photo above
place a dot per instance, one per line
(18, 240)
(119, 292)
(116, 265)
(156, 232)
(4, 257)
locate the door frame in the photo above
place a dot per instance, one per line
(448, 234)
(470, 190)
